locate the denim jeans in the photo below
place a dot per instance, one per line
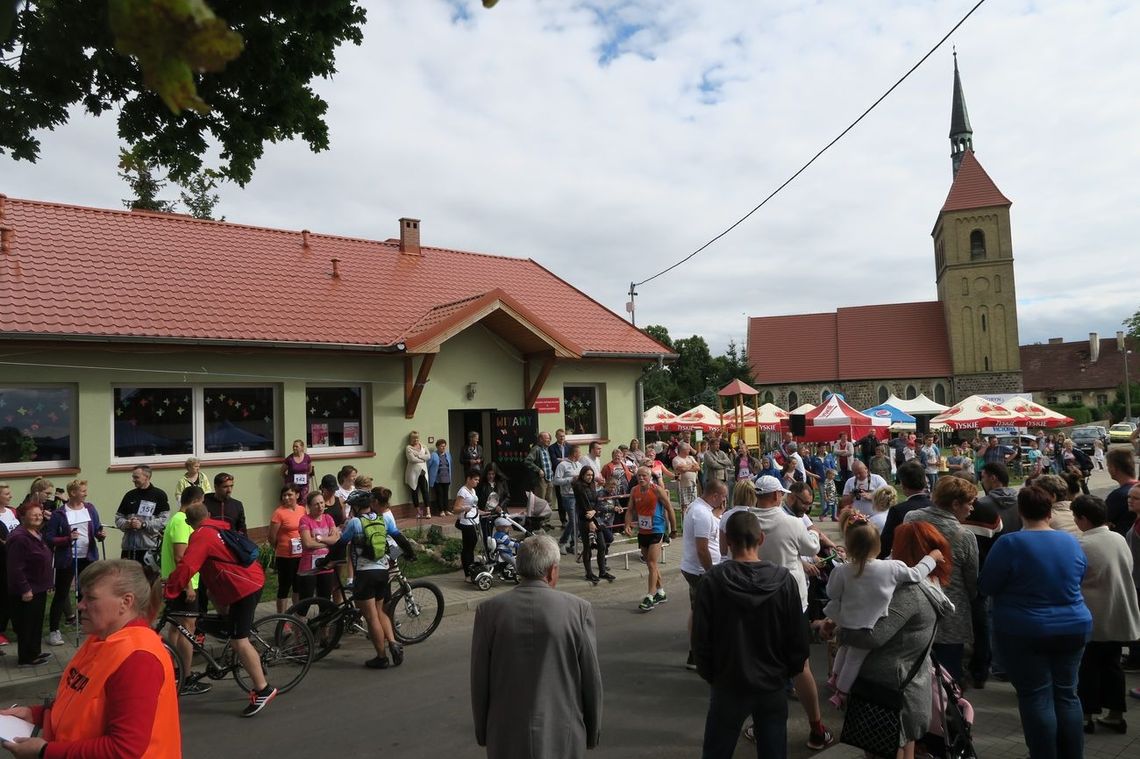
(727, 712)
(570, 530)
(1045, 678)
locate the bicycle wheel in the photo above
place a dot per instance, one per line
(285, 647)
(325, 620)
(415, 611)
(176, 662)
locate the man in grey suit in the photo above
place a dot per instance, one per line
(536, 687)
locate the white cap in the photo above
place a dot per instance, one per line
(769, 484)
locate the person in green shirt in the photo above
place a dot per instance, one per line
(175, 538)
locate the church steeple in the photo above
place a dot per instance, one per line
(961, 135)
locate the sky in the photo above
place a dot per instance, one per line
(607, 140)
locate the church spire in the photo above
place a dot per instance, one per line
(961, 135)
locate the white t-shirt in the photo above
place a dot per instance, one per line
(688, 478)
(869, 485)
(879, 519)
(8, 517)
(798, 460)
(470, 513)
(699, 522)
(80, 519)
(933, 459)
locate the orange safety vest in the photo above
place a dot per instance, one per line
(80, 708)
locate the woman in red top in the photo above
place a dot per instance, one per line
(285, 537)
(118, 697)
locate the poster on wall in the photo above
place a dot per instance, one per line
(514, 432)
(319, 433)
(352, 433)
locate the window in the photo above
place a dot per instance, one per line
(334, 416)
(911, 392)
(37, 427)
(987, 363)
(883, 393)
(793, 400)
(983, 322)
(211, 421)
(1102, 399)
(977, 245)
(1075, 398)
(1051, 400)
(769, 397)
(940, 394)
(582, 417)
(824, 395)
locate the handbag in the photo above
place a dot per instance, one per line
(873, 721)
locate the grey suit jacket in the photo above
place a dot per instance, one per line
(536, 687)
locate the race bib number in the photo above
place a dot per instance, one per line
(146, 509)
(295, 546)
(300, 479)
(644, 523)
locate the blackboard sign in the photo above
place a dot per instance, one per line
(513, 434)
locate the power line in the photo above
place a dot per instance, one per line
(802, 169)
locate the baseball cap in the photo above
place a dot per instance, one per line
(769, 484)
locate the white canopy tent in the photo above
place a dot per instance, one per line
(919, 405)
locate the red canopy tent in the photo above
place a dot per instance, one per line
(976, 412)
(1036, 414)
(658, 419)
(834, 416)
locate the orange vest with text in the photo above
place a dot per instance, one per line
(80, 708)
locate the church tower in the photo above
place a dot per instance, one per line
(973, 261)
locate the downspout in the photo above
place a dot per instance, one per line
(639, 409)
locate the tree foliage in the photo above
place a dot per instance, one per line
(146, 187)
(1132, 325)
(198, 194)
(695, 376)
(62, 53)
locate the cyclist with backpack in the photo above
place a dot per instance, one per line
(227, 562)
(367, 533)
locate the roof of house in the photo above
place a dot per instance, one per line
(973, 188)
(92, 273)
(888, 341)
(1067, 366)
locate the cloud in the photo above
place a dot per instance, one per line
(606, 140)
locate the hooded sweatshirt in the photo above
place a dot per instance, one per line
(749, 632)
(1005, 501)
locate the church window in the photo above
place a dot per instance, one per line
(986, 359)
(977, 244)
(793, 400)
(965, 286)
(883, 394)
(911, 392)
(997, 283)
(983, 322)
(825, 394)
(940, 394)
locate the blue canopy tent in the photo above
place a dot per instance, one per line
(886, 411)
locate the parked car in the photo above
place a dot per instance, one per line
(1084, 438)
(1121, 433)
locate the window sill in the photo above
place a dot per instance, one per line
(38, 471)
(215, 463)
(334, 455)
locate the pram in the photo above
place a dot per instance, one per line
(496, 562)
(951, 719)
(533, 517)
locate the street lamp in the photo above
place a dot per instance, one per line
(1122, 346)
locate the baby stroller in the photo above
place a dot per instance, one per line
(497, 560)
(817, 585)
(951, 719)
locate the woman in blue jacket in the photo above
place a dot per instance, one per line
(72, 533)
(1041, 625)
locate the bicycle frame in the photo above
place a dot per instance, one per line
(214, 669)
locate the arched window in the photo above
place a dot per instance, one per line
(940, 394)
(824, 394)
(793, 400)
(911, 392)
(987, 364)
(983, 322)
(977, 244)
(883, 393)
(768, 397)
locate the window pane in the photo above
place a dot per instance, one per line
(239, 419)
(35, 424)
(793, 400)
(333, 416)
(883, 394)
(153, 421)
(581, 410)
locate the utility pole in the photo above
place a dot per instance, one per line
(629, 304)
(1122, 346)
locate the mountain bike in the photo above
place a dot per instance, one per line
(415, 608)
(284, 644)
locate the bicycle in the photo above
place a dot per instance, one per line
(415, 608)
(284, 645)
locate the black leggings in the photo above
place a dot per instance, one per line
(597, 541)
(421, 491)
(470, 538)
(28, 623)
(441, 490)
(287, 567)
(321, 584)
(64, 588)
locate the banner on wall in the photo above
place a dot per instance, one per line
(352, 433)
(319, 433)
(552, 405)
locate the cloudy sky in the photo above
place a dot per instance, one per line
(606, 140)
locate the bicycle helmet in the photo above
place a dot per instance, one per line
(359, 499)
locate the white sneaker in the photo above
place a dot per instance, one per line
(55, 638)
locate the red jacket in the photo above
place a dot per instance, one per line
(226, 580)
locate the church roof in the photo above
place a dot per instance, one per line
(959, 117)
(887, 341)
(973, 188)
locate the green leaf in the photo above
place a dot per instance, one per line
(7, 16)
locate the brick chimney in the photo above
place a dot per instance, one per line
(1056, 340)
(6, 235)
(1094, 347)
(410, 236)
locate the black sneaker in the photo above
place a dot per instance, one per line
(397, 652)
(379, 662)
(194, 689)
(258, 700)
(607, 577)
(820, 739)
(691, 663)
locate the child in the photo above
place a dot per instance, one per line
(507, 546)
(860, 593)
(829, 495)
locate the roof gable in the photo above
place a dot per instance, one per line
(174, 278)
(973, 188)
(1068, 366)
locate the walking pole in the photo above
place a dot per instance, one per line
(75, 564)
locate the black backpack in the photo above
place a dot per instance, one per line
(242, 549)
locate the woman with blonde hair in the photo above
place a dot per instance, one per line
(416, 457)
(73, 533)
(128, 705)
(882, 500)
(192, 476)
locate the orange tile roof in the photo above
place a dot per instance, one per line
(118, 274)
(973, 188)
(889, 341)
